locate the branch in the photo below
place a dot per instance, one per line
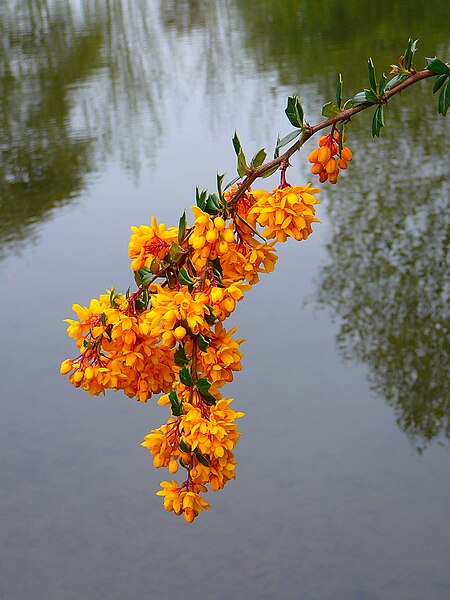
(309, 131)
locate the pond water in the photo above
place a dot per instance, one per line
(114, 110)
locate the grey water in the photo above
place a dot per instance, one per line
(114, 110)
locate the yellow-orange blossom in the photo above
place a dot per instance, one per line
(168, 336)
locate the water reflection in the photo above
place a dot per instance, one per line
(83, 82)
(43, 160)
(387, 281)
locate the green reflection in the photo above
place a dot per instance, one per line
(313, 41)
(43, 56)
(387, 279)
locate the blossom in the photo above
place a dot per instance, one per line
(149, 242)
(287, 212)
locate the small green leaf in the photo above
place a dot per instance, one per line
(182, 228)
(186, 377)
(437, 66)
(203, 386)
(270, 172)
(382, 86)
(219, 185)
(330, 109)
(287, 138)
(212, 204)
(242, 167)
(175, 252)
(103, 318)
(359, 98)
(370, 96)
(201, 198)
(276, 152)
(176, 406)
(377, 121)
(183, 446)
(339, 92)
(237, 144)
(294, 111)
(232, 182)
(180, 357)
(372, 77)
(145, 275)
(184, 278)
(202, 342)
(394, 81)
(439, 82)
(202, 459)
(409, 54)
(211, 318)
(259, 158)
(444, 99)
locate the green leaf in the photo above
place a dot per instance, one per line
(182, 228)
(184, 278)
(270, 172)
(287, 138)
(186, 377)
(439, 82)
(382, 86)
(372, 78)
(409, 54)
(360, 98)
(232, 182)
(242, 167)
(294, 111)
(437, 66)
(259, 158)
(394, 81)
(175, 252)
(202, 459)
(112, 299)
(377, 121)
(237, 144)
(219, 185)
(177, 407)
(127, 293)
(183, 446)
(201, 198)
(203, 386)
(211, 318)
(444, 99)
(276, 152)
(370, 96)
(330, 109)
(212, 204)
(103, 318)
(180, 357)
(202, 342)
(339, 92)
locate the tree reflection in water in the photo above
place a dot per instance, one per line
(387, 282)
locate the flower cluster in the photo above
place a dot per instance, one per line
(329, 157)
(168, 337)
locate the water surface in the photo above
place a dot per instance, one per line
(113, 110)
